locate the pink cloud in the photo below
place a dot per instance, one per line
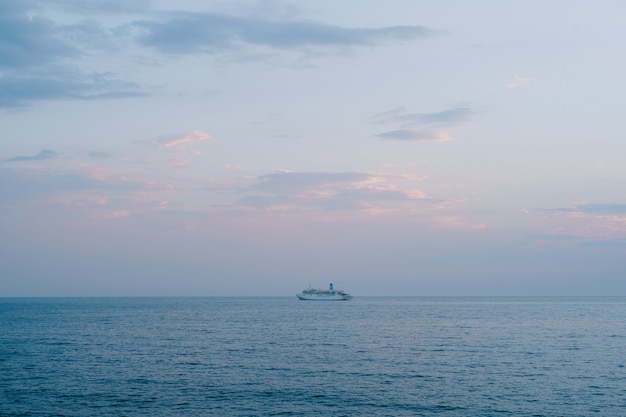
(233, 167)
(115, 214)
(415, 135)
(180, 142)
(520, 81)
(457, 222)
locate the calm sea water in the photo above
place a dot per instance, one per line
(281, 356)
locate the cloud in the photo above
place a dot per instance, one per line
(184, 33)
(328, 190)
(446, 117)
(183, 144)
(38, 60)
(98, 154)
(19, 185)
(29, 42)
(595, 221)
(108, 191)
(47, 49)
(598, 208)
(282, 181)
(606, 208)
(234, 167)
(42, 155)
(412, 135)
(21, 88)
(103, 6)
(457, 222)
(421, 127)
(519, 81)
(180, 142)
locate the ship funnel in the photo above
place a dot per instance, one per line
(330, 287)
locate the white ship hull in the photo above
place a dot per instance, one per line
(331, 294)
(304, 297)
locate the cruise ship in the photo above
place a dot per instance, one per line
(331, 294)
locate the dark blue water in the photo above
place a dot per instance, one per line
(281, 356)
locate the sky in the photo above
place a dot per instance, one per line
(241, 148)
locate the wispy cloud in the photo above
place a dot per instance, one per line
(421, 127)
(595, 221)
(52, 185)
(234, 167)
(42, 155)
(519, 81)
(36, 56)
(446, 117)
(102, 6)
(98, 154)
(29, 41)
(46, 57)
(288, 180)
(19, 88)
(598, 208)
(181, 142)
(328, 190)
(111, 189)
(181, 146)
(183, 33)
(457, 222)
(414, 135)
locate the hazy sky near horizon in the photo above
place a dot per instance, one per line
(256, 147)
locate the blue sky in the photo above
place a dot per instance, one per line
(257, 147)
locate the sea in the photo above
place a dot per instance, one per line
(278, 356)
